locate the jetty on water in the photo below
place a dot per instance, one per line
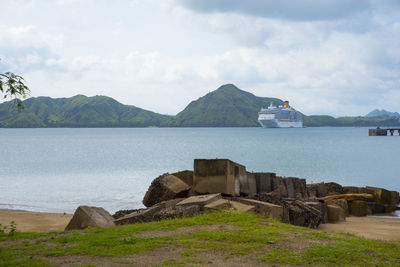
(383, 131)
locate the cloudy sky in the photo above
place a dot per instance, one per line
(337, 57)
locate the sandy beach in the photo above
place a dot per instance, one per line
(369, 227)
(27, 221)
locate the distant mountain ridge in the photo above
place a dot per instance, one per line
(382, 112)
(228, 106)
(76, 111)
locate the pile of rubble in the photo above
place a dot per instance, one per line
(223, 184)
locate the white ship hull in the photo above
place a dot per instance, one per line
(274, 123)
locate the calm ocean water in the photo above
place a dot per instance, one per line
(60, 169)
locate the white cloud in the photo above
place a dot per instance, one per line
(163, 60)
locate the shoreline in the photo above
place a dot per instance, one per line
(372, 227)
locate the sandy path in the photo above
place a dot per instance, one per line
(369, 227)
(27, 221)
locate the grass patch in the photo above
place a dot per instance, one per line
(235, 234)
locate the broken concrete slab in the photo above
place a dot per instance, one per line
(85, 216)
(218, 176)
(165, 187)
(200, 200)
(163, 210)
(264, 208)
(177, 211)
(219, 204)
(240, 207)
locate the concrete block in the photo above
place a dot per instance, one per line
(336, 213)
(339, 202)
(295, 187)
(218, 176)
(165, 187)
(186, 177)
(264, 181)
(248, 186)
(85, 216)
(200, 200)
(358, 208)
(264, 208)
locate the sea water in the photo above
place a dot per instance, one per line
(59, 169)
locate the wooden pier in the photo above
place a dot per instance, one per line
(383, 131)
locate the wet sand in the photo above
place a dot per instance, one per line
(369, 227)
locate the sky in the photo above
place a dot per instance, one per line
(334, 57)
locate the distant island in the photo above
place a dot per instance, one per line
(228, 106)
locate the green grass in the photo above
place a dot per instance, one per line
(224, 233)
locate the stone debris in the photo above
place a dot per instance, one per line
(217, 184)
(85, 216)
(165, 187)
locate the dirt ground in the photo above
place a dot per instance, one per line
(369, 227)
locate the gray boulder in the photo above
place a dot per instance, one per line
(85, 216)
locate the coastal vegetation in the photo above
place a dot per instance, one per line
(228, 106)
(221, 237)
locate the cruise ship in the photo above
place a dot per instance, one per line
(280, 117)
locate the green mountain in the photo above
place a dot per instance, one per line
(77, 111)
(228, 106)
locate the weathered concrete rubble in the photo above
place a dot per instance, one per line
(165, 187)
(216, 184)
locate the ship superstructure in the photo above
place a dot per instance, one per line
(280, 117)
